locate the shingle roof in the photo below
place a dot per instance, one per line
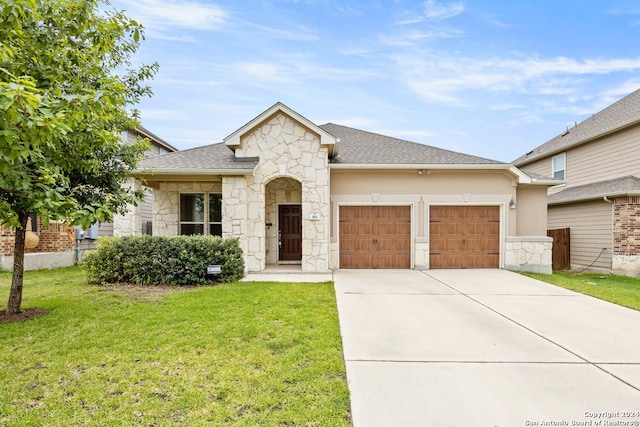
(357, 147)
(360, 147)
(619, 114)
(147, 133)
(538, 177)
(626, 186)
(209, 157)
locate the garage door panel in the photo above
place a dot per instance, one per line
(375, 236)
(464, 236)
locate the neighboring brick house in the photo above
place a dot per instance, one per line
(599, 158)
(57, 246)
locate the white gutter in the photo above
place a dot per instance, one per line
(152, 172)
(522, 177)
(492, 166)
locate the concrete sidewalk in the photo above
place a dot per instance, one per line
(484, 348)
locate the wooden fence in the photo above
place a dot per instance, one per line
(561, 253)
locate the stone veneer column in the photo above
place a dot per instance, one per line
(525, 253)
(129, 224)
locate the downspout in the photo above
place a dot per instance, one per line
(606, 199)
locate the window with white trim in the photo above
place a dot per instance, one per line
(198, 217)
(559, 166)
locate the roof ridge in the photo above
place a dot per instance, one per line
(420, 144)
(621, 113)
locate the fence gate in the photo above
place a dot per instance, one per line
(561, 252)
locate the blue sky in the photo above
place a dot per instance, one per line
(493, 78)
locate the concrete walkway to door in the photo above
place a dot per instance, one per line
(484, 348)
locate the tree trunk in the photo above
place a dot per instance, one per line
(15, 295)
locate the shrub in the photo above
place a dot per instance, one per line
(158, 260)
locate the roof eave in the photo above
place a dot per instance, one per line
(146, 133)
(158, 172)
(595, 197)
(418, 166)
(579, 142)
(232, 141)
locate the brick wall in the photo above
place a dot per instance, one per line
(54, 238)
(626, 226)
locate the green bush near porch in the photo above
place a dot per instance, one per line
(159, 260)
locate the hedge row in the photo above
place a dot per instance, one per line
(157, 260)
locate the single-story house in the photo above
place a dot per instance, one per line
(330, 196)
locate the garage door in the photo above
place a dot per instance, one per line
(375, 237)
(464, 237)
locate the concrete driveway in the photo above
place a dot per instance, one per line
(484, 348)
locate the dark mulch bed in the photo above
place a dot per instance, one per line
(23, 316)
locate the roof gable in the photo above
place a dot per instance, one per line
(235, 139)
(621, 114)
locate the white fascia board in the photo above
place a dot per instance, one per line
(325, 137)
(154, 172)
(489, 166)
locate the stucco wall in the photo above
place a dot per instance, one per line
(531, 207)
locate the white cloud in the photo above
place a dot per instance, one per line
(302, 33)
(435, 11)
(160, 114)
(161, 14)
(442, 78)
(506, 107)
(622, 89)
(411, 38)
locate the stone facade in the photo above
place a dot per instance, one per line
(286, 149)
(531, 254)
(166, 204)
(131, 223)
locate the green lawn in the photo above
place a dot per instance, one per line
(240, 354)
(620, 290)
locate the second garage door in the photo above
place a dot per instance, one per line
(375, 237)
(464, 237)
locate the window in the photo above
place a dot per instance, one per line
(198, 217)
(558, 166)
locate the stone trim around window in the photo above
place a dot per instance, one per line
(197, 217)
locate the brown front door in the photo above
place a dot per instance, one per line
(375, 237)
(290, 232)
(464, 237)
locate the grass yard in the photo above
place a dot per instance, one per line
(621, 290)
(242, 354)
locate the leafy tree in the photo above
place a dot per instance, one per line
(67, 91)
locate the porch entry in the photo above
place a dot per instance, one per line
(290, 233)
